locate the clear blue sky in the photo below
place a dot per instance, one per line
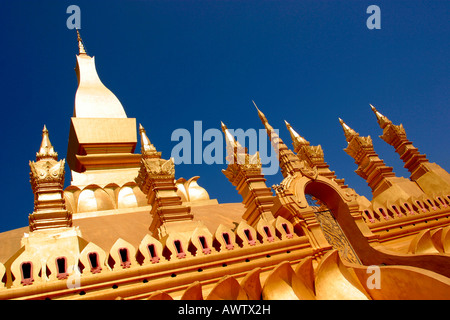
(175, 62)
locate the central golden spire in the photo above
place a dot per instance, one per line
(80, 44)
(102, 138)
(93, 99)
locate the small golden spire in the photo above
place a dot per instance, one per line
(233, 146)
(265, 122)
(289, 162)
(46, 151)
(146, 145)
(224, 127)
(80, 43)
(260, 114)
(297, 140)
(229, 139)
(382, 120)
(349, 132)
(148, 150)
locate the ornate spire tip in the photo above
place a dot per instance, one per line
(255, 105)
(260, 114)
(80, 43)
(348, 132)
(46, 150)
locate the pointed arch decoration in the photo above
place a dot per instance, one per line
(124, 255)
(93, 258)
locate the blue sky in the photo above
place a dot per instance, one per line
(175, 62)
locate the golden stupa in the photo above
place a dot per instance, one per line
(125, 228)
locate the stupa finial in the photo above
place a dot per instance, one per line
(382, 120)
(349, 132)
(46, 150)
(80, 43)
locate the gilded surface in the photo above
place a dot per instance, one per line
(284, 258)
(238, 158)
(48, 171)
(335, 236)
